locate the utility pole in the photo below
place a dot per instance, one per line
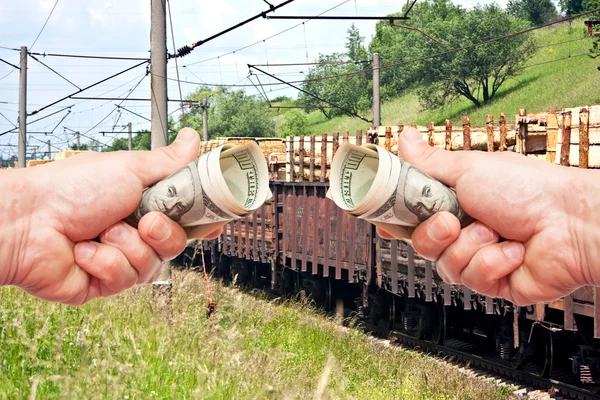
(23, 109)
(158, 96)
(35, 153)
(78, 142)
(205, 120)
(158, 78)
(130, 138)
(376, 96)
(49, 151)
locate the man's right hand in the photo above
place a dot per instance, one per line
(546, 213)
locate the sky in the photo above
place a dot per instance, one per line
(122, 28)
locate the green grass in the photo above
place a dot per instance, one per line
(545, 84)
(127, 347)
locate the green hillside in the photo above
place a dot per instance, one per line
(559, 75)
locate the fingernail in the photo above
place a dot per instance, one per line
(116, 233)
(513, 250)
(412, 136)
(481, 233)
(85, 250)
(438, 229)
(160, 229)
(186, 135)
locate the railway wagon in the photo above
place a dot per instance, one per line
(300, 242)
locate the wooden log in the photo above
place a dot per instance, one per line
(359, 134)
(448, 134)
(311, 162)
(466, 123)
(301, 159)
(388, 138)
(584, 139)
(346, 137)
(430, 128)
(323, 157)
(566, 138)
(523, 132)
(551, 137)
(593, 135)
(503, 132)
(291, 160)
(336, 143)
(489, 123)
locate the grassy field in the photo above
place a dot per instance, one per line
(128, 348)
(559, 75)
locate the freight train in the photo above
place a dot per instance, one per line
(301, 242)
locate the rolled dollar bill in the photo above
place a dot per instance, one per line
(224, 184)
(372, 183)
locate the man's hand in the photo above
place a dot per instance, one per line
(69, 243)
(546, 214)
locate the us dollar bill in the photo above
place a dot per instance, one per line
(224, 184)
(372, 183)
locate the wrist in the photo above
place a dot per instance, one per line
(14, 221)
(583, 190)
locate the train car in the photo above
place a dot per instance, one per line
(301, 242)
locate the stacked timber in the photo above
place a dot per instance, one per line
(580, 127)
(267, 145)
(61, 155)
(33, 163)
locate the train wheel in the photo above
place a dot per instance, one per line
(543, 355)
(438, 332)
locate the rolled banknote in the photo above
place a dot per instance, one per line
(372, 183)
(224, 184)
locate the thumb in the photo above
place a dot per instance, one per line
(445, 166)
(153, 166)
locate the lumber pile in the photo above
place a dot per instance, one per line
(580, 127)
(61, 155)
(33, 163)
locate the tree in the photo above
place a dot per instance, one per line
(538, 12)
(294, 123)
(231, 113)
(83, 147)
(476, 73)
(571, 7)
(343, 79)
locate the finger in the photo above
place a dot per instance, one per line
(491, 265)
(206, 232)
(153, 166)
(432, 236)
(139, 254)
(445, 166)
(108, 265)
(390, 231)
(459, 254)
(166, 237)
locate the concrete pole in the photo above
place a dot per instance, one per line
(376, 96)
(78, 141)
(23, 109)
(158, 83)
(205, 120)
(49, 151)
(158, 95)
(130, 137)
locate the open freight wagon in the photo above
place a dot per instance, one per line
(301, 242)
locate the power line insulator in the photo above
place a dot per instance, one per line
(182, 52)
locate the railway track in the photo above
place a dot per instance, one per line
(559, 385)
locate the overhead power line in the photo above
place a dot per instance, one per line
(267, 38)
(42, 30)
(176, 65)
(12, 65)
(356, 17)
(91, 57)
(353, 114)
(54, 71)
(185, 50)
(88, 87)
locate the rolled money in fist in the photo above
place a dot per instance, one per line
(227, 183)
(372, 183)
